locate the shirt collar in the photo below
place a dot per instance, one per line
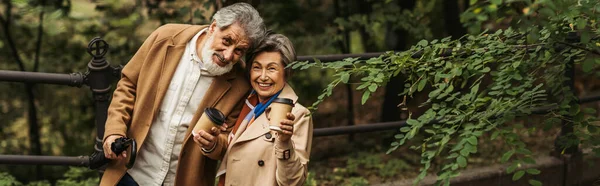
(193, 45)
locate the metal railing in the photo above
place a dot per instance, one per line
(100, 75)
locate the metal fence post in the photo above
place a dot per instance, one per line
(99, 79)
(571, 156)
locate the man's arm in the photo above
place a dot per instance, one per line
(122, 104)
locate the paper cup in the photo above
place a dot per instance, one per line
(210, 118)
(279, 108)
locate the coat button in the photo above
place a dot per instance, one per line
(268, 136)
(261, 163)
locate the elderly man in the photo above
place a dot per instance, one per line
(178, 72)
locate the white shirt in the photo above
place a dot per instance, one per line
(157, 159)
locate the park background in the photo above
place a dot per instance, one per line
(52, 36)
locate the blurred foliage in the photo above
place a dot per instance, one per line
(75, 176)
(66, 114)
(512, 62)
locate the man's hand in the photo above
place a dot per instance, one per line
(108, 153)
(287, 128)
(207, 140)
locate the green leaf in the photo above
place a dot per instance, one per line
(465, 151)
(434, 93)
(523, 151)
(592, 129)
(472, 140)
(373, 87)
(422, 43)
(404, 129)
(533, 171)
(585, 37)
(507, 156)
(421, 85)
(511, 168)
(462, 161)
(589, 110)
(535, 182)
(318, 61)
(475, 88)
(495, 134)
(365, 96)
(412, 122)
(362, 86)
(588, 64)
(529, 160)
(581, 23)
(496, 2)
(518, 175)
(344, 77)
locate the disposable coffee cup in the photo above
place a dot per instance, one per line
(279, 108)
(210, 118)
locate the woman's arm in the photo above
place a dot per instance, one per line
(293, 155)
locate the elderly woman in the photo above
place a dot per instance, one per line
(253, 154)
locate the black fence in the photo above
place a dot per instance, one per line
(100, 75)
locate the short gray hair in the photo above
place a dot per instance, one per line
(247, 17)
(277, 43)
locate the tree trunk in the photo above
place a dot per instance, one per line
(452, 19)
(34, 132)
(34, 129)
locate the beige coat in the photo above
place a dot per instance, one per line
(143, 84)
(251, 145)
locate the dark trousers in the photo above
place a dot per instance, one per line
(127, 180)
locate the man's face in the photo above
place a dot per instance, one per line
(224, 48)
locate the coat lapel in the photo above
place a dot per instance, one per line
(259, 127)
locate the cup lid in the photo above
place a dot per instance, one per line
(284, 101)
(215, 115)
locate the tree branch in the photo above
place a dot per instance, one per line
(580, 47)
(38, 46)
(6, 27)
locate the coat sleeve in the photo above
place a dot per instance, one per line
(122, 104)
(294, 170)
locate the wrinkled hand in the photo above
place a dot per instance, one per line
(287, 128)
(207, 140)
(108, 153)
(223, 128)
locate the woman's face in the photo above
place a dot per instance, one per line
(267, 75)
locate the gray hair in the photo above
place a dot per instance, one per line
(247, 17)
(277, 43)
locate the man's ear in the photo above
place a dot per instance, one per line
(212, 27)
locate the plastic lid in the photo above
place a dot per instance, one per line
(284, 101)
(215, 115)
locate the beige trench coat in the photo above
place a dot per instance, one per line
(251, 159)
(143, 84)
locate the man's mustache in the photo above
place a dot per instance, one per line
(220, 57)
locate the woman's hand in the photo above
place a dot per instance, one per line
(287, 128)
(108, 153)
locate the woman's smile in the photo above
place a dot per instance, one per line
(267, 74)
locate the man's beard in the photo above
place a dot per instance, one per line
(207, 59)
